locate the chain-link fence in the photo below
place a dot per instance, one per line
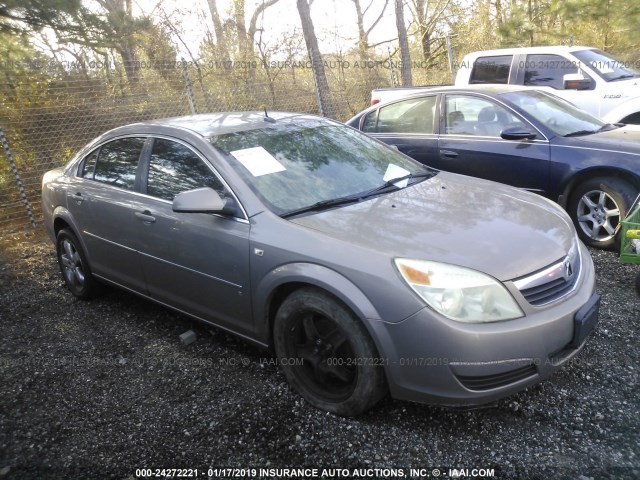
(56, 110)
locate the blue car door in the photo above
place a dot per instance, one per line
(470, 143)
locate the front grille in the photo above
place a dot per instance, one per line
(548, 292)
(488, 382)
(553, 282)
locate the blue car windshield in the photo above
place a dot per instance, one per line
(609, 68)
(293, 164)
(558, 115)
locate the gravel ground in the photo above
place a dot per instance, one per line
(102, 388)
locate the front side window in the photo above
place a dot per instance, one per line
(469, 115)
(491, 69)
(408, 116)
(295, 164)
(175, 168)
(118, 162)
(548, 70)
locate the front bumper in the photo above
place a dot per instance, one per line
(431, 359)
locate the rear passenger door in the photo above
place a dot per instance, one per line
(100, 200)
(470, 143)
(408, 124)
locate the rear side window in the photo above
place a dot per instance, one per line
(491, 69)
(548, 70)
(408, 116)
(175, 168)
(118, 162)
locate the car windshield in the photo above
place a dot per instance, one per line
(558, 115)
(294, 164)
(609, 68)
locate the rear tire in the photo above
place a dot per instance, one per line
(597, 206)
(74, 266)
(326, 354)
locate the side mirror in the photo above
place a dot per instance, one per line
(575, 81)
(517, 133)
(203, 200)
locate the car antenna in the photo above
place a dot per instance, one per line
(267, 118)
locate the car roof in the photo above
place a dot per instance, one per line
(542, 49)
(490, 88)
(210, 124)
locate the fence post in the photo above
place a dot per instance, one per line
(187, 82)
(12, 164)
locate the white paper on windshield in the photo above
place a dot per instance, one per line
(394, 171)
(258, 161)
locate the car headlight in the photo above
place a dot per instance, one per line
(459, 293)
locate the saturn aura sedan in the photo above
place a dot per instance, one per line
(365, 270)
(522, 137)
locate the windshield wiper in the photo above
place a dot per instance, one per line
(336, 202)
(322, 205)
(622, 77)
(393, 181)
(580, 133)
(608, 126)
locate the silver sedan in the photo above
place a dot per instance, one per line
(365, 271)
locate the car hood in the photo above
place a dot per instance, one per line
(623, 139)
(493, 228)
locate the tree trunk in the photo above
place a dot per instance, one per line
(423, 28)
(405, 57)
(362, 35)
(221, 42)
(310, 39)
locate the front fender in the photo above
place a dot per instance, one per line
(623, 110)
(309, 274)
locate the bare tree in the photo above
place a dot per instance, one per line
(319, 75)
(427, 14)
(405, 57)
(221, 41)
(363, 34)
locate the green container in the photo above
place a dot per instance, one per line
(630, 230)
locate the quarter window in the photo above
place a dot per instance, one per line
(175, 168)
(409, 116)
(89, 164)
(491, 69)
(118, 162)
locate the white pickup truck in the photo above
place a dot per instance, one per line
(587, 77)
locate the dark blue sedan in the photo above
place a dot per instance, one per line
(522, 137)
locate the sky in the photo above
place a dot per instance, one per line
(334, 20)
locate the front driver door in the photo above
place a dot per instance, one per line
(470, 144)
(196, 262)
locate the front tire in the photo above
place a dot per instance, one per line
(74, 266)
(597, 207)
(326, 354)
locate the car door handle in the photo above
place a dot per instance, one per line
(448, 154)
(145, 216)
